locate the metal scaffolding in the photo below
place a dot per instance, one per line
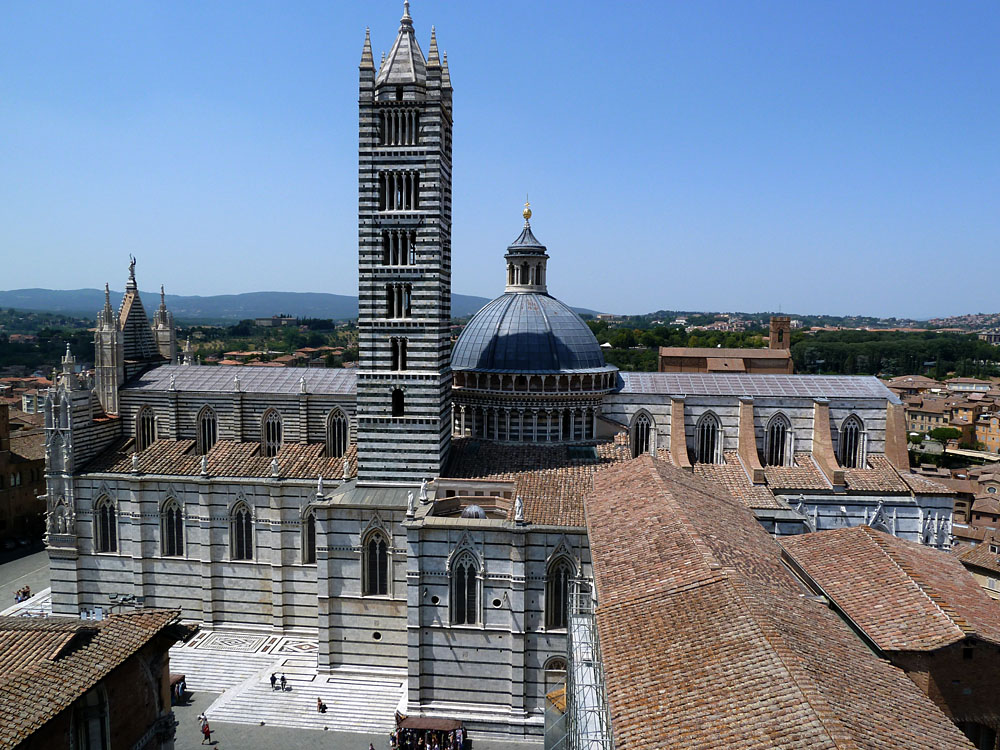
(586, 700)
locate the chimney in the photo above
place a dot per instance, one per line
(781, 332)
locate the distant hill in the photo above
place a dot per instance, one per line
(220, 308)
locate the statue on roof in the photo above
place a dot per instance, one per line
(411, 508)
(519, 509)
(131, 266)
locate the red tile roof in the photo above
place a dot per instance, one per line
(983, 556)
(903, 595)
(549, 479)
(708, 641)
(228, 458)
(48, 663)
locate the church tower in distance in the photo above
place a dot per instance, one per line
(404, 262)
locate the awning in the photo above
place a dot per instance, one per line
(421, 723)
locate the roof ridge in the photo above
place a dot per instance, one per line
(922, 586)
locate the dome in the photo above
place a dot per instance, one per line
(473, 511)
(521, 332)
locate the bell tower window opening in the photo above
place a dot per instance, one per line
(398, 405)
(398, 354)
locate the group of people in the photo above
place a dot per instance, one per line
(22, 595)
(275, 682)
(406, 739)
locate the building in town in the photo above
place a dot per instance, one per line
(942, 629)
(775, 360)
(424, 511)
(22, 480)
(71, 683)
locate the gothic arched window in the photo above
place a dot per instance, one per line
(241, 533)
(270, 433)
(172, 529)
(641, 429)
(208, 430)
(309, 538)
(338, 433)
(465, 590)
(557, 588)
(145, 428)
(853, 441)
(778, 441)
(708, 439)
(375, 572)
(105, 526)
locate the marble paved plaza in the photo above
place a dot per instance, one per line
(238, 666)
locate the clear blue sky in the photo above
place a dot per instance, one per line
(829, 157)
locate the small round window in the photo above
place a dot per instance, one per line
(991, 490)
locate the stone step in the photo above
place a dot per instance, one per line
(352, 704)
(205, 671)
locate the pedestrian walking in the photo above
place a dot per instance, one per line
(274, 681)
(283, 682)
(206, 732)
(202, 720)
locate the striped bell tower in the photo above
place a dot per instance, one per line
(404, 262)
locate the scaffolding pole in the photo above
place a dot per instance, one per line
(586, 699)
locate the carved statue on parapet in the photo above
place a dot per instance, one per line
(423, 491)
(518, 509)
(347, 468)
(135, 463)
(411, 508)
(204, 465)
(319, 486)
(275, 468)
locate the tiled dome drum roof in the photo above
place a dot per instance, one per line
(527, 332)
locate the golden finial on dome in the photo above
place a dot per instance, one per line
(526, 213)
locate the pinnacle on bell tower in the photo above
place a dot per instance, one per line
(404, 256)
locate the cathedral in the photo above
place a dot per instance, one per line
(425, 511)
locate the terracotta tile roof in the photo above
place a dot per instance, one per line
(228, 458)
(986, 504)
(937, 486)
(707, 641)
(551, 482)
(879, 477)
(903, 595)
(804, 475)
(29, 447)
(981, 556)
(44, 673)
(733, 477)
